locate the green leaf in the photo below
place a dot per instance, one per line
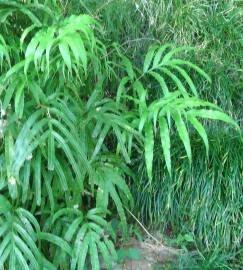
(16, 68)
(96, 228)
(177, 81)
(65, 212)
(25, 33)
(111, 248)
(56, 240)
(121, 144)
(121, 89)
(188, 238)
(25, 183)
(9, 94)
(77, 46)
(5, 206)
(74, 142)
(82, 254)
(148, 58)
(19, 100)
(9, 157)
(73, 46)
(4, 226)
(105, 253)
(187, 78)
(168, 56)
(159, 53)
(12, 261)
(27, 239)
(120, 210)
(213, 114)
(31, 48)
(26, 251)
(21, 259)
(31, 16)
(165, 142)
(51, 151)
(37, 177)
(28, 215)
(94, 254)
(201, 131)
(134, 254)
(149, 148)
(47, 179)
(161, 81)
(183, 134)
(5, 255)
(99, 220)
(69, 155)
(64, 50)
(97, 129)
(61, 175)
(191, 65)
(100, 140)
(128, 67)
(9, 152)
(37, 92)
(73, 228)
(25, 146)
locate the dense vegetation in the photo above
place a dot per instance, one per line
(101, 105)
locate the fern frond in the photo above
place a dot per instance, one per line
(19, 234)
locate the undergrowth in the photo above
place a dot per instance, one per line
(203, 201)
(87, 87)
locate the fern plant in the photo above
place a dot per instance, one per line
(67, 141)
(174, 102)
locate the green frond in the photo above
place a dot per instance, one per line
(19, 233)
(165, 141)
(183, 133)
(149, 148)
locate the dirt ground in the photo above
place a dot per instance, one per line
(151, 255)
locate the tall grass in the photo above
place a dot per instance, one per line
(213, 27)
(203, 200)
